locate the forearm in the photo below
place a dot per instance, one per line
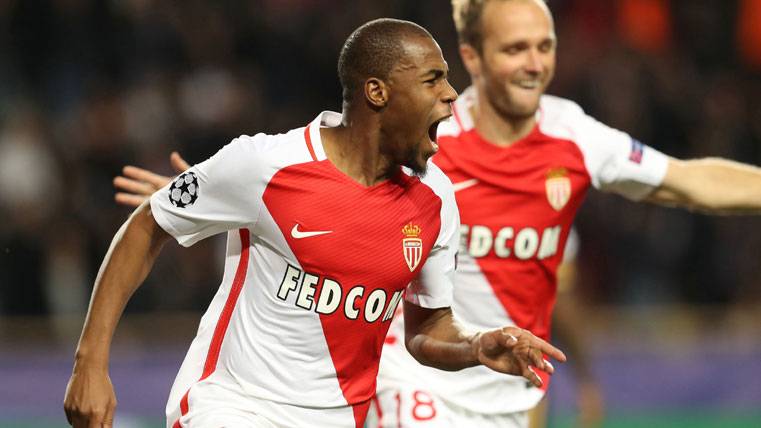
(712, 185)
(435, 339)
(439, 340)
(125, 266)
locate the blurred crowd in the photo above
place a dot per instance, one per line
(89, 86)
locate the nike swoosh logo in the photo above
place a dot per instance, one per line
(298, 234)
(462, 185)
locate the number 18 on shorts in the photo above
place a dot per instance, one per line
(407, 407)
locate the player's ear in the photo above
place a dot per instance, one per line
(376, 92)
(471, 59)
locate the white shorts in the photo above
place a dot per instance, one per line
(410, 407)
(212, 406)
(225, 418)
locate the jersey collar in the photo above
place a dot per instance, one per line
(326, 119)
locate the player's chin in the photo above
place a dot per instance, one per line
(418, 168)
(526, 104)
(419, 164)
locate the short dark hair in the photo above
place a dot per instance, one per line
(372, 50)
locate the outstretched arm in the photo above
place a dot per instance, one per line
(138, 184)
(711, 185)
(436, 339)
(90, 399)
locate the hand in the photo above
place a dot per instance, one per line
(515, 351)
(90, 400)
(139, 184)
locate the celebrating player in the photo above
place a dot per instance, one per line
(294, 335)
(521, 163)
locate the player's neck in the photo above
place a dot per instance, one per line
(496, 128)
(354, 150)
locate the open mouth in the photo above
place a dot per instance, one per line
(528, 85)
(432, 130)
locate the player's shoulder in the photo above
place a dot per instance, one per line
(565, 119)
(262, 143)
(555, 109)
(277, 150)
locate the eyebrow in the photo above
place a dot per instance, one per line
(528, 42)
(435, 73)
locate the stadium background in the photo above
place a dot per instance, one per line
(671, 300)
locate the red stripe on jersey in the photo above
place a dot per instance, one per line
(224, 320)
(515, 176)
(364, 251)
(378, 411)
(308, 139)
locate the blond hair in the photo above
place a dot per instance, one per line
(467, 20)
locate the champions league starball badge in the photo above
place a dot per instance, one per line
(184, 190)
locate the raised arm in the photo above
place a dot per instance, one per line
(90, 399)
(435, 338)
(712, 185)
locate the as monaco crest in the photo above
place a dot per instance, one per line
(412, 245)
(558, 187)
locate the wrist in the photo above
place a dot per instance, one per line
(88, 358)
(475, 347)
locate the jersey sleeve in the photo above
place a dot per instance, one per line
(213, 196)
(433, 287)
(617, 162)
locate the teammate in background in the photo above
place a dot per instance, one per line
(521, 163)
(293, 337)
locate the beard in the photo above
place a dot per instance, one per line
(408, 155)
(420, 170)
(503, 101)
(414, 159)
(417, 161)
(507, 107)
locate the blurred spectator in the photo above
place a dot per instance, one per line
(87, 86)
(749, 33)
(646, 24)
(129, 81)
(31, 189)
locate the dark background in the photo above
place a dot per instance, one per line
(89, 86)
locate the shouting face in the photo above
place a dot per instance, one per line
(420, 97)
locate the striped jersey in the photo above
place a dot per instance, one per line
(316, 265)
(517, 205)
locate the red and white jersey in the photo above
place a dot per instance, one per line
(316, 265)
(517, 204)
